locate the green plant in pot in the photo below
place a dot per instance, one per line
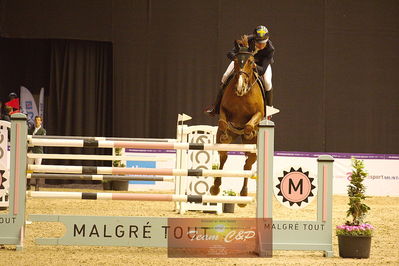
(354, 237)
(228, 207)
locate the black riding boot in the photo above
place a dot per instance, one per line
(214, 110)
(269, 97)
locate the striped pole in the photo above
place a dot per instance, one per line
(93, 157)
(101, 177)
(139, 145)
(99, 138)
(93, 170)
(140, 197)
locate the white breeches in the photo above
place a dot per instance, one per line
(267, 77)
(36, 161)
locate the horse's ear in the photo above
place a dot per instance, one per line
(244, 40)
(237, 45)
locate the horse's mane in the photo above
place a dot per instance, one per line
(243, 42)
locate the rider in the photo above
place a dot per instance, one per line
(260, 44)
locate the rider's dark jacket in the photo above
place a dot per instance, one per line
(263, 58)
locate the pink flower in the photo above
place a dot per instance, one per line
(350, 228)
(369, 226)
(349, 176)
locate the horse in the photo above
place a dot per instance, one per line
(241, 110)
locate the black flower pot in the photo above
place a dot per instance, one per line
(354, 246)
(228, 207)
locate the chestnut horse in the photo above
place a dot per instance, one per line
(241, 110)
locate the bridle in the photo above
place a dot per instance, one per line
(240, 72)
(243, 72)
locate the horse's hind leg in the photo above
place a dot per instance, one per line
(215, 189)
(251, 158)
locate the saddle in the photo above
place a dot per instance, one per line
(262, 85)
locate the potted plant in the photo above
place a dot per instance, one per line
(354, 237)
(228, 207)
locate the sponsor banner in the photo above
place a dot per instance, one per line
(141, 164)
(130, 151)
(295, 188)
(4, 149)
(169, 162)
(28, 105)
(336, 155)
(219, 237)
(382, 169)
(4, 162)
(382, 179)
(41, 103)
(213, 237)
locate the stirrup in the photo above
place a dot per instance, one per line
(211, 111)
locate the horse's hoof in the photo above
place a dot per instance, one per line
(222, 125)
(225, 138)
(214, 190)
(249, 136)
(249, 132)
(243, 193)
(248, 129)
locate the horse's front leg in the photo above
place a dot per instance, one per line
(250, 127)
(215, 189)
(222, 127)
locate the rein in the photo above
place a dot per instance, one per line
(256, 77)
(242, 72)
(248, 75)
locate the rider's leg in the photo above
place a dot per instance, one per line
(228, 72)
(267, 77)
(213, 110)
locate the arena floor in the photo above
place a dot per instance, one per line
(383, 215)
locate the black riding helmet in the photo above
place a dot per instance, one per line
(261, 34)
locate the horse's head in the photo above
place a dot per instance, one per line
(244, 64)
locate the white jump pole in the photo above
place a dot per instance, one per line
(92, 157)
(102, 177)
(136, 171)
(140, 197)
(140, 145)
(99, 138)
